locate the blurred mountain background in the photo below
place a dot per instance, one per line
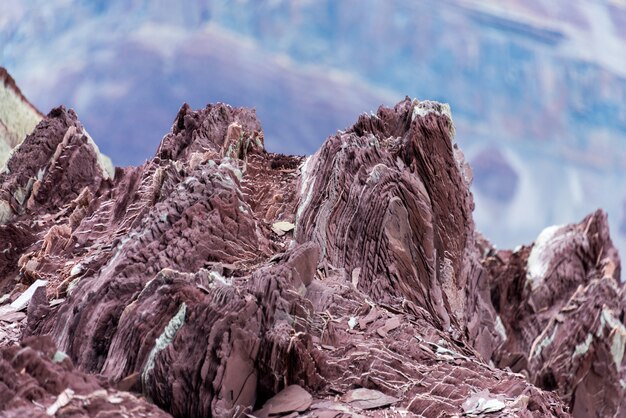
(537, 87)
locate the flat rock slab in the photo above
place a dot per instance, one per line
(291, 399)
(483, 402)
(12, 316)
(367, 399)
(390, 325)
(24, 299)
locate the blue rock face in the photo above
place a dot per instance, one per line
(537, 88)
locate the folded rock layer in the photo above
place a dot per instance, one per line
(218, 279)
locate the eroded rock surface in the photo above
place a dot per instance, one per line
(219, 279)
(18, 117)
(562, 308)
(37, 380)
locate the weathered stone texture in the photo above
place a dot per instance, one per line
(219, 279)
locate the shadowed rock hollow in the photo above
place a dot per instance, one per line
(219, 279)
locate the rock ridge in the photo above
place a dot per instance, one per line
(220, 279)
(18, 117)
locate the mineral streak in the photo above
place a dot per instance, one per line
(219, 279)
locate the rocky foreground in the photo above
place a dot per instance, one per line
(219, 279)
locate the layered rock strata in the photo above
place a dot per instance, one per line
(219, 279)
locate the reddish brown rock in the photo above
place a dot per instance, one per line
(218, 279)
(562, 309)
(37, 380)
(18, 117)
(389, 198)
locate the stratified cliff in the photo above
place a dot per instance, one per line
(219, 279)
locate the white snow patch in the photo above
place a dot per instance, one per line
(104, 162)
(218, 277)
(617, 332)
(76, 270)
(542, 342)
(426, 107)
(539, 258)
(227, 163)
(352, 322)
(189, 180)
(6, 213)
(376, 173)
(72, 286)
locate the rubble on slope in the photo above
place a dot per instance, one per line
(37, 380)
(219, 279)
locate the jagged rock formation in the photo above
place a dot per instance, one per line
(18, 117)
(562, 308)
(219, 279)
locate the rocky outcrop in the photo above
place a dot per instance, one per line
(562, 309)
(219, 279)
(18, 117)
(39, 381)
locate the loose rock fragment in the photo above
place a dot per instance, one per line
(482, 403)
(12, 316)
(363, 398)
(62, 400)
(390, 324)
(291, 399)
(24, 299)
(280, 228)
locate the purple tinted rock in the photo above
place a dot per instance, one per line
(170, 278)
(39, 381)
(18, 117)
(561, 308)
